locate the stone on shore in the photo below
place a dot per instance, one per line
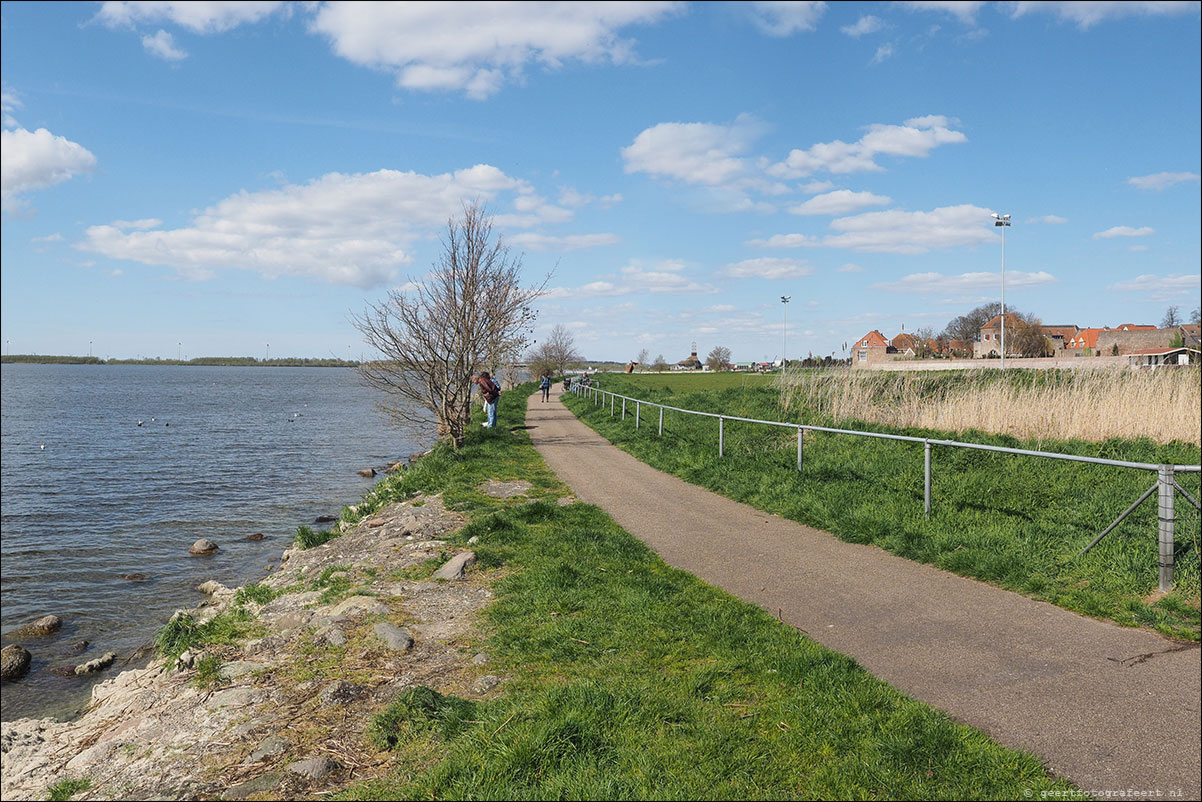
(258, 785)
(97, 665)
(203, 546)
(14, 662)
(315, 768)
(454, 567)
(367, 473)
(271, 746)
(256, 536)
(395, 638)
(46, 625)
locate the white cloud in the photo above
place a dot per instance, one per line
(850, 268)
(1049, 219)
(841, 201)
(784, 241)
(198, 16)
(1087, 13)
(162, 45)
(864, 25)
(965, 283)
(33, 160)
(883, 52)
(477, 47)
(814, 187)
(965, 11)
(9, 102)
(916, 138)
(1159, 181)
(1124, 231)
(1162, 288)
(662, 278)
(697, 153)
(574, 242)
(340, 228)
(768, 267)
(55, 237)
(786, 18)
(912, 232)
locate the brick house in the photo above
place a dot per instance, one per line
(990, 342)
(872, 347)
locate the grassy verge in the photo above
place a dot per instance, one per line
(629, 679)
(1018, 522)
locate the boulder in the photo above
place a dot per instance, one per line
(14, 662)
(258, 785)
(395, 638)
(203, 546)
(135, 577)
(316, 768)
(79, 647)
(256, 536)
(454, 567)
(46, 625)
(486, 683)
(367, 473)
(271, 746)
(325, 519)
(340, 692)
(393, 467)
(97, 665)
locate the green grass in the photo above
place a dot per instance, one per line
(1018, 522)
(629, 679)
(65, 789)
(183, 632)
(306, 538)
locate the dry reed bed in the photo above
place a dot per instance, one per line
(1164, 405)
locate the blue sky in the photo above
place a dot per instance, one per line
(214, 178)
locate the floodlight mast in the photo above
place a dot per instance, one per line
(784, 299)
(1003, 222)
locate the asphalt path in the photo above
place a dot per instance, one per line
(1115, 710)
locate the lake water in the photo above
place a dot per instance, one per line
(89, 496)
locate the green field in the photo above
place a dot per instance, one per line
(1018, 522)
(629, 679)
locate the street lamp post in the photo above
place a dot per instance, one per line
(784, 348)
(1003, 222)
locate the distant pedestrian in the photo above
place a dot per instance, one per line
(545, 386)
(490, 391)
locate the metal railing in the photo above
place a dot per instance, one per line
(1165, 487)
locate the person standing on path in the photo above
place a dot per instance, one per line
(545, 386)
(491, 394)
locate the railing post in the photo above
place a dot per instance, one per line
(661, 421)
(926, 479)
(721, 434)
(800, 432)
(1167, 522)
(623, 409)
(638, 409)
(612, 403)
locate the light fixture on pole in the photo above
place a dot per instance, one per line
(1003, 221)
(784, 348)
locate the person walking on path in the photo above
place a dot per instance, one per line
(545, 386)
(491, 393)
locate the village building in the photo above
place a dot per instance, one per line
(692, 363)
(872, 347)
(1155, 358)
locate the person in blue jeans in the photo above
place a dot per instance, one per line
(491, 393)
(545, 386)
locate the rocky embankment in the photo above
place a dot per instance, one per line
(283, 711)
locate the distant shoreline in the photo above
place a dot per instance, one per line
(203, 361)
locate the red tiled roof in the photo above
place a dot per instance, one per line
(995, 322)
(1086, 338)
(1067, 332)
(903, 341)
(873, 339)
(1133, 327)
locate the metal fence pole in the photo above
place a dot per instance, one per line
(638, 410)
(623, 409)
(721, 434)
(926, 479)
(800, 432)
(661, 421)
(612, 403)
(1167, 521)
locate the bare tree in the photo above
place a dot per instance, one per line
(469, 313)
(719, 358)
(1172, 317)
(1028, 338)
(1195, 316)
(660, 364)
(968, 327)
(642, 359)
(924, 348)
(554, 354)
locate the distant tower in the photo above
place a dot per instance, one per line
(694, 352)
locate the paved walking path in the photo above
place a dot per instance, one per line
(1113, 709)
